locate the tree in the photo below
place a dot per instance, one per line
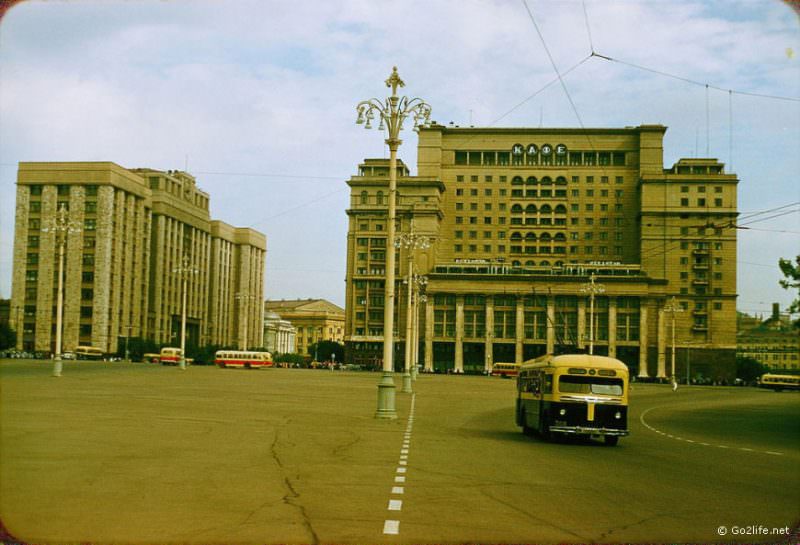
(8, 337)
(749, 369)
(324, 349)
(792, 281)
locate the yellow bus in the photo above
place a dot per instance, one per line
(779, 382)
(88, 353)
(573, 394)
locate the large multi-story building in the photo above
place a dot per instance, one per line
(774, 342)
(315, 320)
(520, 220)
(133, 236)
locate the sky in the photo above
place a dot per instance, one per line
(257, 100)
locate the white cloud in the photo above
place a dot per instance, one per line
(271, 88)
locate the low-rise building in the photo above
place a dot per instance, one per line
(314, 319)
(280, 336)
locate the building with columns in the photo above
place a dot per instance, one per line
(280, 336)
(522, 223)
(133, 233)
(314, 320)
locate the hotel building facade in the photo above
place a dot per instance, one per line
(521, 222)
(133, 235)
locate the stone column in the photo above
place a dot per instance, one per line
(551, 320)
(429, 334)
(489, 344)
(581, 322)
(459, 363)
(643, 325)
(520, 337)
(662, 343)
(612, 327)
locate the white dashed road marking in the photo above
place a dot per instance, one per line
(392, 527)
(744, 449)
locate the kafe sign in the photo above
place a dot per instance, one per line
(545, 149)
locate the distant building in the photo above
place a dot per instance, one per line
(280, 336)
(774, 342)
(519, 219)
(133, 230)
(5, 311)
(314, 319)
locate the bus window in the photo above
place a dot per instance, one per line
(590, 385)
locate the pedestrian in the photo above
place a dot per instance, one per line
(674, 383)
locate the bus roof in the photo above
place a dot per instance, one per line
(575, 360)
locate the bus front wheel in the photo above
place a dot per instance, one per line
(544, 427)
(527, 430)
(611, 440)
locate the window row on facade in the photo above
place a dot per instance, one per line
(508, 158)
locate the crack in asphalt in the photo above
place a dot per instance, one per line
(604, 536)
(337, 451)
(530, 515)
(291, 494)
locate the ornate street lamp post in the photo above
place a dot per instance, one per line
(61, 226)
(673, 308)
(592, 289)
(421, 298)
(392, 112)
(184, 271)
(410, 241)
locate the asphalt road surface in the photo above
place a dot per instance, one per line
(140, 453)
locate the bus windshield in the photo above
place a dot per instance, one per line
(590, 385)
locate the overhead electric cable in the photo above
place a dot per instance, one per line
(588, 28)
(694, 82)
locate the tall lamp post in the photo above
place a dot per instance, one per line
(421, 298)
(243, 299)
(673, 308)
(592, 289)
(184, 271)
(410, 241)
(392, 112)
(61, 226)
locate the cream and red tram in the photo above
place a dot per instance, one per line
(243, 359)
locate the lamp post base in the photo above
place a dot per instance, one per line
(182, 363)
(57, 365)
(406, 382)
(414, 373)
(386, 397)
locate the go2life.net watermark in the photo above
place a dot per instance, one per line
(753, 530)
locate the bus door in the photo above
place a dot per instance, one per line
(533, 407)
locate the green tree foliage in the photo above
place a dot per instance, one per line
(324, 349)
(749, 369)
(791, 272)
(8, 337)
(290, 358)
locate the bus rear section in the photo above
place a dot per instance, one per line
(505, 370)
(243, 359)
(88, 353)
(170, 355)
(779, 382)
(574, 394)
